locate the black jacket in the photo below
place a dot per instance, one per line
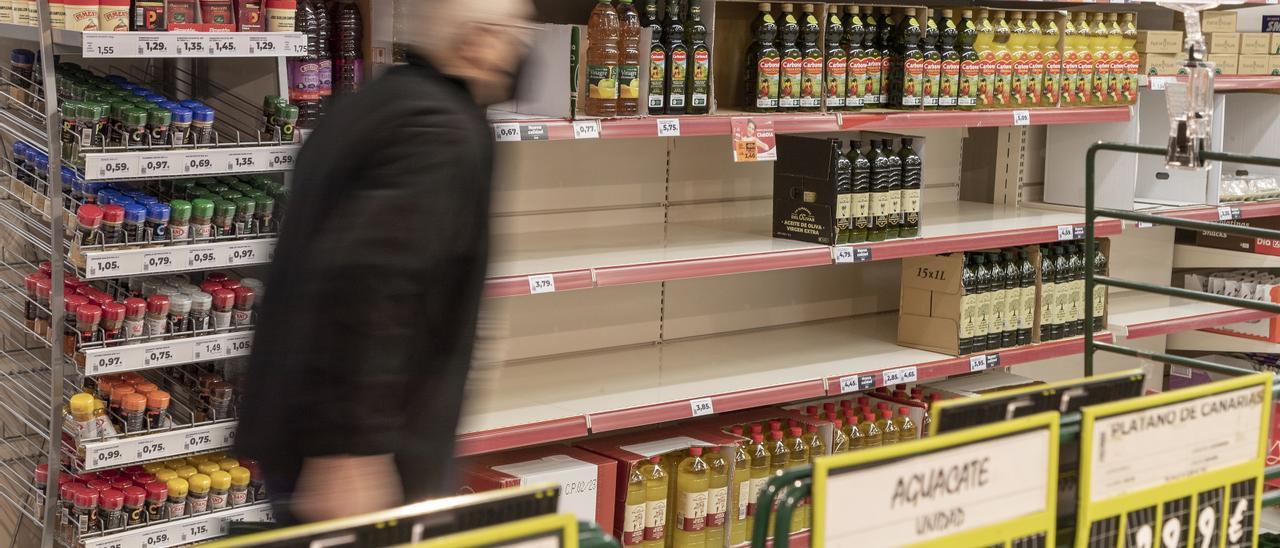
(365, 334)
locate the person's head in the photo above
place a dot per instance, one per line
(751, 128)
(481, 42)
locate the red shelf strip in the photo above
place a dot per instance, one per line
(712, 266)
(523, 435)
(1189, 323)
(683, 409)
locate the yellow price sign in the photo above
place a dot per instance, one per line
(1178, 469)
(993, 485)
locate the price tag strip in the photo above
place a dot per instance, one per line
(1184, 468)
(135, 357)
(109, 166)
(124, 45)
(993, 485)
(164, 445)
(184, 531)
(178, 258)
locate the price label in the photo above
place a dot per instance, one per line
(543, 283)
(586, 129)
(153, 46)
(977, 363)
(224, 46)
(227, 436)
(105, 362)
(155, 165)
(1021, 117)
(244, 161)
(846, 254)
(210, 350)
(197, 163)
(1144, 224)
(281, 158)
(160, 261)
(168, 354)
(849, 384)
(993, 361)
(506, 132)
(1159, 83)
(99, 45)
(298, 47)
(264, 45)
(98, 457)
(204, 257)
(112, 166)
(701, 406)
(248, 253)
(191, 46)
(668, 127)
(240, 344)
(1066, 232)
(1226, 213)
(160, 538)
(899, 376)
(151, 449)
(197, 441)
(105, 266)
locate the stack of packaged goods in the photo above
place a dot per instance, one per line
(158, 15)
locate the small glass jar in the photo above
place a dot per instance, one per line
(157, 316)
(223, 302)
(158, 409)
(135, 505)
(198, 494)
(176, 503)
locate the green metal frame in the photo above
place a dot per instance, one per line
(794, 484)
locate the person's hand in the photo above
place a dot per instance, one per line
(346, 485)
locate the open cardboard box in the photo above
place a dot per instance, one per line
(587, 480)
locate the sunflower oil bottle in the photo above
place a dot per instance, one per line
(656, 484)
(1084, 56)
(888, 428)
(1051, 89)
(758, 454)
(1002, 89)
(798, 455)
(872, 435)
(1128, 43)
(1101, 61)
(984, 45)
(1116, 60)
(1070, 63)
(1018, 52)
(1033, 87)
(692, 483)
(717, 497)
(742, 490)
(634, 512)
(906, 427)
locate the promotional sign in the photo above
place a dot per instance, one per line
(754, 140)
(1061, 396)
(992, 485)
(552, 531)
(1177, 469)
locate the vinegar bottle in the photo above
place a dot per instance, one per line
(692, 483)
(655, 502)
(304, 71)
(717, 497)
(347, 51)
(602, 61)
(628, 59)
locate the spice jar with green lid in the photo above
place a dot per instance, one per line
(135, 126)
(158, 121)
(244, 215)
(224, 212)
(263, 207)
(287, 120)
(180, 221)
(202, 218)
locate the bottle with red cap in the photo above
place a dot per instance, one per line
(135, 312)
(133, 407)
(157, 498)
(43, 317)
(242, 315)
(66, 504)
(888, 428)
(224, 301)
(30, 282)
(88, 222)
(906, 427)
(113, 224)
(84, 509)
(88, 317)
(40, 482)
(111, 509)
(692, 483)
(135, 505)
(70, 336)
(157, 316)
(113, 314)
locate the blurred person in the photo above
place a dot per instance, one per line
(366, 334)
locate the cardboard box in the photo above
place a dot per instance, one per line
(1255, 43)
(1275, 43)
(672, 444)
(1224, 63)
(1222, 43)
(1222, 240)
(1273, 65)
(1210, 21)
(587, 480)
(1254, 64)
(1159, 64)
(1247, 284)
(1159, 41)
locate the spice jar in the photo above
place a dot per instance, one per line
(157, 499)
(84, 512)
(157, 316)
(243, 215)
(112, 321)
(31, 282)
(158, 121)
(111, 509)
(165, 474)
(43, 316)
(135, 505)
(186, 471)
(179, 307)
(221, 394)
(180, 126)
(219, 489)
(113, 224)
(201, 307)
(287, 121)
(70, 335)
(88, 220)
(281, 15)
(202, 126)
(223, 302)
(157, 409)
(88, 316)
(242, 316)
(198, 494)
(134, 411)
(135, 224)
(226, 464)
(176, 503)
(224, 217)
(202, 218)
(158, 223)
(66, 503)
(238, 495)
(135, 127)
(257, 487)
(118, 392)
(134, 317)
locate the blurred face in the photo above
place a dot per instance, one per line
(482, 43)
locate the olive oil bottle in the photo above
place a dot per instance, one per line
(997, 297)
(1099, 291)
(880, 211)
(759, 472)
(692, 483)
(717, 497)
(677, 58)
(912, 178)
(1048, 294)
(894, 170)
(906, 427)
(817, 447)
(970, 63)
(1012, 299)
(812, 65)
(699, 87)
(948, 38)
(839, 437)
(968, 304)
(792, 67)
(656, 484)
(851, 430)
(844, 194)
(1027, 284)
(929, 44)
(764, 65)
(856, 75)
(634, 510)
(871, 57)
(861, 184)
(982, 318)
(738, 524)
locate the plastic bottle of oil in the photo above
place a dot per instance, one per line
(839, 439)
(817, 447)
(1018, 51)
(1116, 59)
(906, 427)
(1004, 61)
(717, 497)
(1051, 89)
(602, 61)
(888, 429)
(1128, 43)
(873, 437)
(1084, 59)
(1033, 87)
(655, 494)
(628, 59)
(984, 46)
(692, 483)
(758, 453)
(738, 525)
(779, 455)
(851, 430)
(1101, 60)
(1070, 63)
(633, 518)
(797, 455)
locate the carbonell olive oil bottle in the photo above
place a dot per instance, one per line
(717, 497)
(1027, 284)
(968, 304)
(692, 484)
(655, 501)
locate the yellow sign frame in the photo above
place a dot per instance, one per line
(566, 525)
(940, 406)
(1189, 487)
(998, 533)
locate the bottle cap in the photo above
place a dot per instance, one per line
(202, 208)
(179, 211)
(695, 451)
(202, 114)
(67, 491)
(775, 425)
(757, 428)
(185, 471)
(86, 497)
(737, 430)
(220, 480)
(89, 216)
(867, 416)
(240, 475)
(158, 399)
(165, 474)
(811, 410)
(142, 478)
(158, 305)
(72, 302)
(33, 280)
(230, 284)
(244, 206)
(119, 391)
(133, 402)
(223, 299)
(158, 491)
(81, 404)
(135, 117)
(902, 410)
(87, 315)
(795, 431)
(885, 413)
(177, 487)
(811, 428)
(228, 463)
(42, 473)
(179, 304)
(158, 212)
(832, 416)
(121, 482)
(775, 435)
(208, 467)
(135, 496)
(111, 499)
(838, 423)
(201, 301)
(135, 307)
(113, 213)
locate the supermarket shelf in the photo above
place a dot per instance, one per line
(179, 258)
(539, 401)
(183, 531)
(1135, 315)
(32, 34)
(1192, 256)
(197, 162)
(580, 259)
(179, 442)
(545, 129)
(1225, 82)
(179, 44)
(1232, 211)
(1208, 341)
(166, 353)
